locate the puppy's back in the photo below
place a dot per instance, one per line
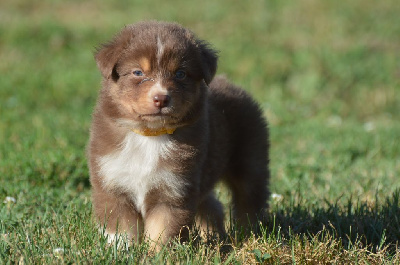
(244, 115)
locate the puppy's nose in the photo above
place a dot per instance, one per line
(161, 101)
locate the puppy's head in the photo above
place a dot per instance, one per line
(155, 75)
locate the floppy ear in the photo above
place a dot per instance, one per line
(106, 58)
(108, 54)
(209, 60)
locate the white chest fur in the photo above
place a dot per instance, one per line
(135, 168)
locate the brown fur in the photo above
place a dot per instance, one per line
(220, 135)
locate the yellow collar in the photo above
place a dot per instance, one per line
(150, 132)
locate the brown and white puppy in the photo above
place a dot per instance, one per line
(164, 132)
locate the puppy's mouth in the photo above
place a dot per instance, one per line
(165, 113)
(159, 114)
(158, 118)
(151, 116)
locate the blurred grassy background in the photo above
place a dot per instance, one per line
(326, 73)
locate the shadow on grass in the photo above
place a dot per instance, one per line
(375, 226)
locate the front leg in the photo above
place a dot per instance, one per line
(164, 221)
(117, 215)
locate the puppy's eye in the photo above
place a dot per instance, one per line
(137, 73)
(180, 74)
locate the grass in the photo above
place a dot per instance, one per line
(326, 73)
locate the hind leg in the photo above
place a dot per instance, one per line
(248, 182)
(210, 216)
(248, 172)
(249, 203)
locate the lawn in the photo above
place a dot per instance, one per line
(327, 74)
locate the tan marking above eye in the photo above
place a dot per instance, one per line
(145, 64)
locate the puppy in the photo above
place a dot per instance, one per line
(164, 132)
